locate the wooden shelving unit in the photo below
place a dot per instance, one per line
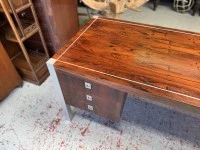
(29, 30)
(30, 63)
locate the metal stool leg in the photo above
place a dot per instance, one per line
(155, 4)
(196, 7)
(88, 12)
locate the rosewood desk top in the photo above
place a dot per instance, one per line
(128, 56)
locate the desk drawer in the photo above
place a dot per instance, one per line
(91, 96)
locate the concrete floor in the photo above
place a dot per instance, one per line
(31, 118)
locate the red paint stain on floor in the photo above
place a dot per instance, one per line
(85, 130)
(119, 143)
(59, 112)
(62, 143)
(54, 124)
(81, 146)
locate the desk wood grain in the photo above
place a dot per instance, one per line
(128, 56)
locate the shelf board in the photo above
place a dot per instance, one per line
(20, 9)
(21, 6)
(16, 55)
(38, 62)
(2, 11)
(29, 30)
(37, 59)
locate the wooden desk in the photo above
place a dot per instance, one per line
(116, 57)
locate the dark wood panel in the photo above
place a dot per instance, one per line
(50, 46)
(67, 25)
(41, 14)
(162, 61)
(9, 78)
(59, 19)
(106, 101)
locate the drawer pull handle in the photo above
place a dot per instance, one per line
(90, 107)
(88, 85)
(89, 98)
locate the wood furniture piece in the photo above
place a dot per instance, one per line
(30, 59)
(58, 20)
(109, 58)
(9, 78)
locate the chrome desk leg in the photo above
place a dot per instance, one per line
(66, 108)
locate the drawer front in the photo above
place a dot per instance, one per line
(103, 106)
(91, 96)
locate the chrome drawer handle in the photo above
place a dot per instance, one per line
(88, 85)
(90, 107)
(89, 98)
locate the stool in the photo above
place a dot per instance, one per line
(183, 6)
(196, 7)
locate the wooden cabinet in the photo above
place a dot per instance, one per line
(89, 95)
(58, 20)
(9, 78)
